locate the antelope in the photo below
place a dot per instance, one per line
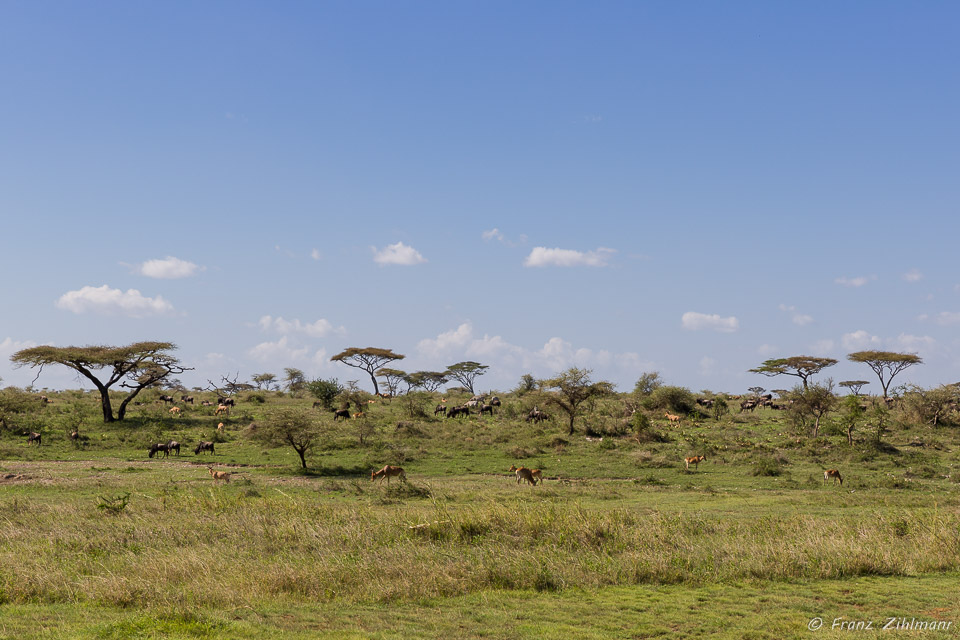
(524, 474)
(358, 415)
(219, 475)
(175, 411)
(672, 418)
(695, 461)
(832, 473)
(222, 408)
(538, 474)
(388, 472)
(220, 427)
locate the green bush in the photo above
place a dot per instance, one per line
(676, 399)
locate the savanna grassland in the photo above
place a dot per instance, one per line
(620, 540)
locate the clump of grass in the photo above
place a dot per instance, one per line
(767, 467)
(113, 505)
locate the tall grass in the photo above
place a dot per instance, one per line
(219, 548)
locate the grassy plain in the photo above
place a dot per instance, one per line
(98, 541)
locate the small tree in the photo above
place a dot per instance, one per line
(466, 372)
(648, 382)
(325, 391)
(135, 367)
(720, 408)
(296, 380)
(426, 380)
(368, 359)
(815, 401)
(854, 385)
(886, 364)
(527, 384)
(289, 427)
(264, 380)
(800, 366)
(392, 379)
(852, 414)
(569, 390)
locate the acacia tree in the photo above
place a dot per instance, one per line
(800, 366)
(264, 380)
(886, 364)
(854, 385)
(295, 378)
(815, 401)
(571, 389)
(392, 379)
(426, 380)
(135, 366)
(466, 372)
(369, 359)
(287, 426)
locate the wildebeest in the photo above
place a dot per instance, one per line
(495, 401)
(206, 403)
(317, 405)
(229, 402)
(74, 435)
(486, 408)
(441, 409)
(706, 403)
(157, 448)
(204, 446)
(473, 403)
(341, 413)
(33, 437)
(456, 412)
(173, 445)
(169, 399)
(187, 399)
(536, 415)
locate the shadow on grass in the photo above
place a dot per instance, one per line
(326, 471)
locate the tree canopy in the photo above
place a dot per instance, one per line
(427, 380)
(886, 364)
(135, 366)
(571, 389)
(289, 427)
(800, 366)
(466, 372)
(369, 359)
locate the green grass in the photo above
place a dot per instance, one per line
(619, 541)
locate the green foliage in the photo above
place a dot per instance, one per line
(325, 391)
(647, 383)
(288, 426)
(527, 384)
(720, 408)
(295, 379)
(669, 398)
(466, 373)
(767, 467)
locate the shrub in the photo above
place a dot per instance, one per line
(767, 467)
(676, 399)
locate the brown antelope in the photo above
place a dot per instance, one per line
(538, 474)
(695, 461)
(388, 472)
(175, 410)
(220, 427)
(832, 473)
(672, 418)
(219, 475)
(524, 474)
(222, 408)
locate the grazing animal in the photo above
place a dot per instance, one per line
(169, 399)
(473, 403)
(222, 408)
(220, 427)
(486, 408)
(832, 473)
(748, 405)
(695, 461)
(204, 446)
(33, 437)
(175, 410)
(538, 474)
(672, 418)
(74, 435)
(342, 413)
(317, 405)
(495, 401)
(219, 475)
(206, 403)
(173, 445)
(157, 448)
(536, 416)
(388, 472)
(524, 474)
(44, 399)
(385, 396)
(187, 399)
(358, 415)
(440, 410)
(230, 402)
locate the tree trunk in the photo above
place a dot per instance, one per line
(122, 409)
(572, 418)
(816, 427)
(376, 388)
(850, 436)
(303, 460)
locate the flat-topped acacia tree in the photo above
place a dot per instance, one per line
(800, 366)
(466, 373)
(570, 389)
(886, 364)
(369, 359)
(135, 366)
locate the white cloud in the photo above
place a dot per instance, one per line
(947, 318)
(796, 317)
(9, 346)
(694, 321)
(319, 329)
(908, 342)
(398, 253)
(447, 342)
(315, 254)
(859, 340)
(859, 281)
(543, 257)
(279, 351)
(107, 301)
(492, 234)
(913, 275)
(169, 268)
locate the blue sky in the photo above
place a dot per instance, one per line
(689, 188)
